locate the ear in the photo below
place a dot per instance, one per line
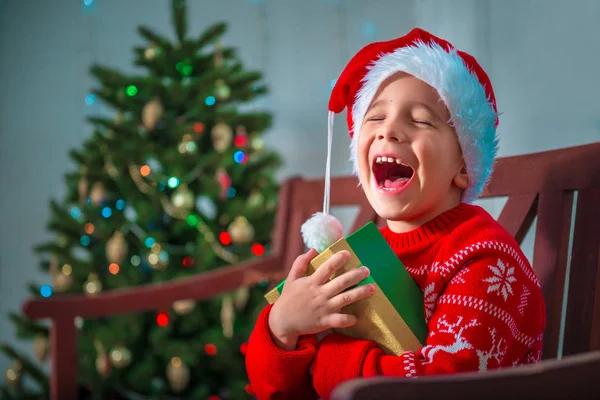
(461, 179)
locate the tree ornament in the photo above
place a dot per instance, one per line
(187, 145)
(241, 137)
(227, 317)
(151, 52)
(183, 198)
(82, 189)
(241, 298)
(102, 360)
(178, 374)
(206, 206)
(224, 181)
(92, 286)
(256, 199)
(184, 307)
(222, 135)
(40, 347)
(151, 114)
(116, 248)
(241, 230)
(222, 91)
(61, 282)
(120, 357)
(258, 144)
(14, 374)
(98, 193)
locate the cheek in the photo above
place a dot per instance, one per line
(364, 145)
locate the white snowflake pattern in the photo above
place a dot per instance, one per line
(501, 279)
(523, 304)
(429, 299)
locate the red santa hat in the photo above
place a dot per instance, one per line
(461, 83)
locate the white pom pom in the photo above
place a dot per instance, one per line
(321, 231)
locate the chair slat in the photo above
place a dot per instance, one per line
(517, 215)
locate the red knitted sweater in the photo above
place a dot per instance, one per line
(483, 305)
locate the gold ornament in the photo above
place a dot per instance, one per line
(241, 231)
(40, 347)
(241, 298)
(102, 360)
(150, 53)
(82, 190)
(256, 199)
(227, 317)
(158, 259)
(183, 307)
(116, 248)
(258, 144)
(98, 193)
(178, 374)
(183, 198)
(62, 282)
(222, 91)
(187, 145)
(14, 374)
(151, 114)
(92, 286)
(222, 135)
(120, 357)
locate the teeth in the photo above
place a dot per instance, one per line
(380, 160)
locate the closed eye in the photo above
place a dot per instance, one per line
(375, 119)
(423, 123)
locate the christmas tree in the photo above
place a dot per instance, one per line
(176, 182)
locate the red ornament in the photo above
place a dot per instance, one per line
(162, 319)
(225, 238)
(258, 249)
(214, 398)
(187, 261)
(240, 141)
(244, 348)
(210, 349)
(225, 181)
(249, 389)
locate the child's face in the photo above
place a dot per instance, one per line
(410, 162)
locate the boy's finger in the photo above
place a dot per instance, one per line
(339, 320)
(351, 296)
(345, 280)
(300, 265)
(329, 267)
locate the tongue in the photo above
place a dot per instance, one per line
(394, 183)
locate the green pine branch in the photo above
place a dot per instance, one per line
(178, 11)
(26, 328)
(211, 34)
(160, 41)
(29, 367)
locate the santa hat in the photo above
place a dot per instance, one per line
(461, 83)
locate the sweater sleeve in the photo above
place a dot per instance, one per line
(489, 315)
(275, 373)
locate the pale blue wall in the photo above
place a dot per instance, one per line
(543, 58)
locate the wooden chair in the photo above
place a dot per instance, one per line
(543, 184)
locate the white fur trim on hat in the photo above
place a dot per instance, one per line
(472, 115)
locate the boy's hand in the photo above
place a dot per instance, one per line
(311, 304)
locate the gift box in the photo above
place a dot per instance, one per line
(393, 317)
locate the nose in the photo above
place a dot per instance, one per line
(392, 133)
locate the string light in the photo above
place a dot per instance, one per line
(162, 319)
(131, 90)
(135, 261)
(258, 249)
(239, 156)
(369, 29)
(210, 100)
(113, 268)
(89, 228)
(192, 220)
(231, 192)
(198, 127)
(161, 186)
(46, 291)
(225, 238)
(106, 212)
(240, 141)
(88, 3)
(75, 212)
(173, 182)
(145, 170)
(210, 349)
(120, 205)
(149, 242)
(90, 99)
(187, 261)
(85, 240)
(67, 269)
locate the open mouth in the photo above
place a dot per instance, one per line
(391, 173)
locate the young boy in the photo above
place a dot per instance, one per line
(423, 119)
